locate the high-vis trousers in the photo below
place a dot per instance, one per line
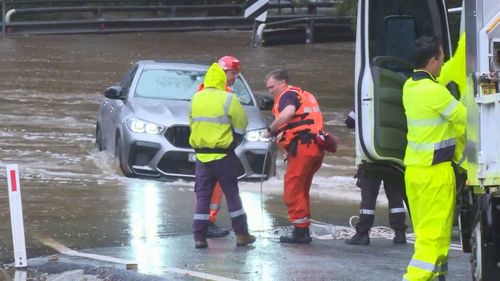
(215, 202)
(370, 187)
(431, 196)
(207, 174)
(298, 178)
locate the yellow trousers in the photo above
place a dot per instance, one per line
(431, 196)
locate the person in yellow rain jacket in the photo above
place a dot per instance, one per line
(231, 67)
(217, 121)
(434, 119)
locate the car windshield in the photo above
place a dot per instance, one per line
(170, 84)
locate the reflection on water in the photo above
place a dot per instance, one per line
(145, 212)
(259, 219)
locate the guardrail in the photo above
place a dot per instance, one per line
(304, 30)
(96, 16)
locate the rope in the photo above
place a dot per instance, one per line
(261, 184)
(324, 231)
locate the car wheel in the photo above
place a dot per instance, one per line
(119, 156)
(476, 253)
(98, 138)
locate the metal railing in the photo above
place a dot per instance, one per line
(340, 25)
(96, 16)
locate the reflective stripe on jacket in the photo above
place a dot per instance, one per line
(201, 87)
(215, 114)
(433, 116)
(307, 118)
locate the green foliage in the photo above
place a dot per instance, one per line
(348, 8)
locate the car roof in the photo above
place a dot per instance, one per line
(155, 64)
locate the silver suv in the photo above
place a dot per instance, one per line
(144, 120)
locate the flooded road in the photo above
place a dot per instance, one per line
(50, 90)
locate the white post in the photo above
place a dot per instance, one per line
(16, 215)
(20, 275)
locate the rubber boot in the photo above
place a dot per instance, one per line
(298, 236)
(243, 240)
(399, 237)
(359, 239)
(215, 232)
(201, 244)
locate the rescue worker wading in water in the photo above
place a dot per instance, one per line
(231, 67)
(297, 122)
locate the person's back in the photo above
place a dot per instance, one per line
(215, 116)
(231, 67)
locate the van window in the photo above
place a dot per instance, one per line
(394, 25)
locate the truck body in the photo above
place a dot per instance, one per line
(386, 32)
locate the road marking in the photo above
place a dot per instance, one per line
(202, 275)
(70, 252)
(129, 265)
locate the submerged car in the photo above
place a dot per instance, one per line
(144, 120)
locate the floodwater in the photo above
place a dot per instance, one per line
(50, 90)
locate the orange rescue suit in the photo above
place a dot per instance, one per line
(307, 157)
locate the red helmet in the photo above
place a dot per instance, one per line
(229, 62)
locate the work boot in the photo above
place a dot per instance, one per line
(298, 236)
(399, 237)
(200, 244)
(359, 239)
(243, 240)
(215, 232)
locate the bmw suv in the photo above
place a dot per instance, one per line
(144, 121)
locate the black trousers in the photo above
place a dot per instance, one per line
(370, 187)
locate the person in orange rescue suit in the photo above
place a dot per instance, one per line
(369, 182)
(231, 67)
(435, 120)
(298, 120)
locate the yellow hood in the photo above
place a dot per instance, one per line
(215, 78)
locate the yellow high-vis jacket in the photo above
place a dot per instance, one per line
(454, 70)
(215, 115)
(433, 118)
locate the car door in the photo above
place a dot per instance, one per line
(386, 32)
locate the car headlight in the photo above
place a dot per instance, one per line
(140, 126)
(256, 135)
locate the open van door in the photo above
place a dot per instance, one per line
(386, 32)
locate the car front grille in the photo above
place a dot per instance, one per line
(176, 162)
(179, 163)
(178, 136)
(256, 162)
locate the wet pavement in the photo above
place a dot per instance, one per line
(50, 90)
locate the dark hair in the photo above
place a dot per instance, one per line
(279, 75)
(425, 49)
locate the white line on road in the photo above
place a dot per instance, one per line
(202, 275)
(129, 265)
(70, 252)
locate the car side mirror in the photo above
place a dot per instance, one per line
(114, 93)
(264, 102)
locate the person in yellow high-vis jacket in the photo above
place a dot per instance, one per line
(435, 119)
(217, 120)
